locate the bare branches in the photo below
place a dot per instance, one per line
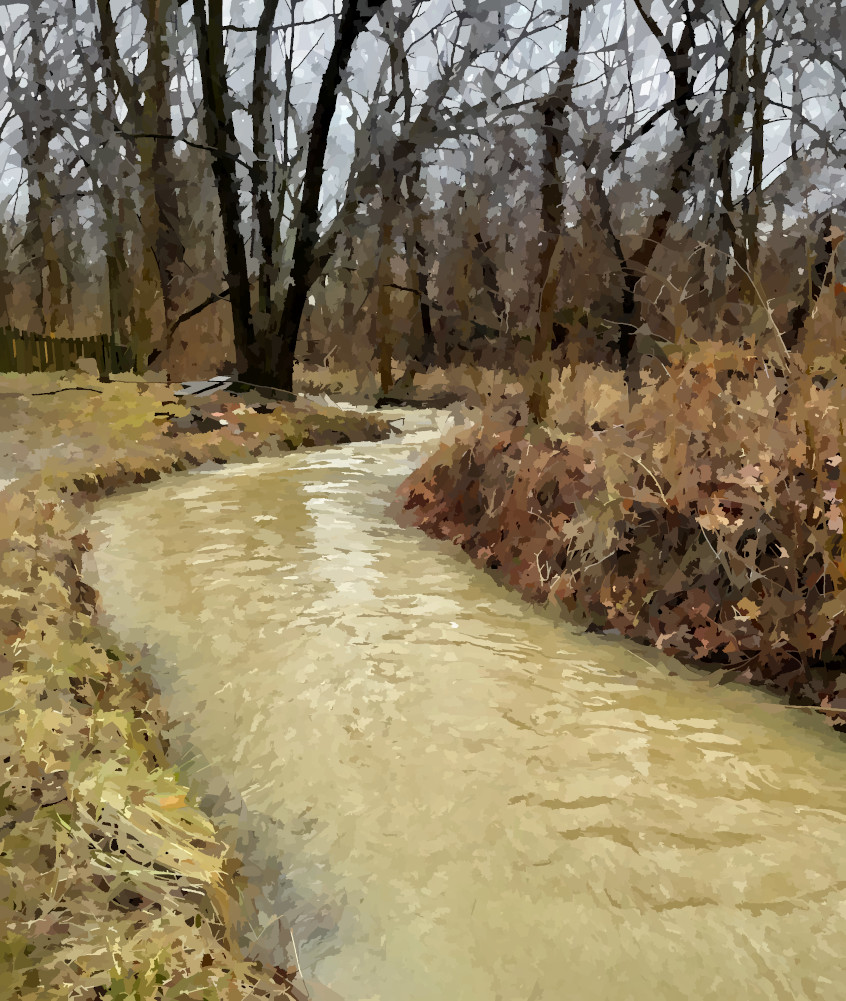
(180, 139)
(210, 301)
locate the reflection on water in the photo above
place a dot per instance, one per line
(448, 793)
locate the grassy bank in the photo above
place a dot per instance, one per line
(702, 515)
(112, 883)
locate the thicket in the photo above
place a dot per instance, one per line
(702, 513)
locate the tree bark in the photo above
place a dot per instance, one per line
(266, 230)
(817, 278)
(352, 21)
(148, 112)
(220, 135)
(758, 80)
(735, 102)
(160, 211)
(555, 111)
(687, 122)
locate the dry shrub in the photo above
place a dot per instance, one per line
(584, 395)
(113, 884)
(706, 518)
(337, 381)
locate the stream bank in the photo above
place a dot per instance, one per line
(113, 883)
(703, 517)
(445, 791)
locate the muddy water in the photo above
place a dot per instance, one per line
(451, 795)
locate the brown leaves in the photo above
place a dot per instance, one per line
(708, 523)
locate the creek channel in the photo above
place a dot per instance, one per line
(448, 793)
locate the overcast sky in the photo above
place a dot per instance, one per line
(531, 65)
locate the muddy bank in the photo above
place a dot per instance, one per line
(112, 882)
(733, 564)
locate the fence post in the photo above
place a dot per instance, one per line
(7, 352)
(26, 344)
(62, 352)
(102, 355)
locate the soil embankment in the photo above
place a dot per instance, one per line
(704, 520)
(112, 883)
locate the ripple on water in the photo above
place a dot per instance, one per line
(450, 793)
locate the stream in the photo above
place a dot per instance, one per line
(447, 793)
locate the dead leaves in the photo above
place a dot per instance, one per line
(709, 522)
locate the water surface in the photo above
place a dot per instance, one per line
(450, 794)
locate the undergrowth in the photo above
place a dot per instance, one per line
(113, 884)
(702, 514)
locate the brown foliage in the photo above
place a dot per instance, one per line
(705, 519)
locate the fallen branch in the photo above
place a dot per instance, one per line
(68, 389)
(213, 298)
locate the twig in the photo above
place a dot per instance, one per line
(213, 298)
(297, 958)
(654, 477)
(68, 389)
(40, 806)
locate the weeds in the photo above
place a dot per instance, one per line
(704, 515)
(113, 884)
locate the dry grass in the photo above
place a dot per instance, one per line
(702, 515)
(113, 884)
(477, 386)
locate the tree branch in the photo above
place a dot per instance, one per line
(212, 299)
(180, 139)
(660, 37)
(640, 132)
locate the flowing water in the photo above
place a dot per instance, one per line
(450, 794)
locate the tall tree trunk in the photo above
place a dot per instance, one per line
(351, 23)
(752, 212)
(6, 288)
(121, 318)
(731, 135)
(160, 211)
(687, 122)
(38, 163)
(49, 287)
(383, 316)
(555, 113)
(418, 273)
(818, 276)
(220, 135)
(148, 124)
(260, 175)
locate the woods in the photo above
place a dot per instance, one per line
(597, 244)
(403, 186)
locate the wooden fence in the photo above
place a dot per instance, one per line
(23, 351)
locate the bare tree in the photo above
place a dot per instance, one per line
(555, 111)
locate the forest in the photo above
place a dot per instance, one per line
(366, 194)
(555, 281)
(615, 222)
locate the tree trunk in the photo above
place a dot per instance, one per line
(735, 101)
(49, 294)
(688, 124)
(265, 223)
(121, 319)
(160, 210)
(220, 135)
(38, 163)
(758, 76)
(418, 277)
(149, 114)
(555, 115)
(352, 21)
(818, 276)
(383, 318)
